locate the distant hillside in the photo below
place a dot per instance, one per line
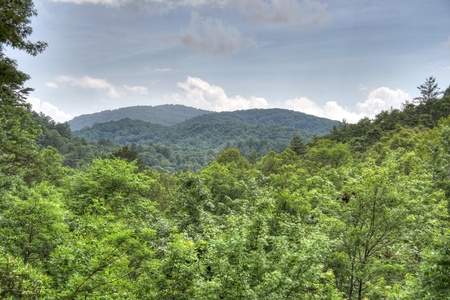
(195, 135)
(260, 130)
(163, 114)
(281, 117)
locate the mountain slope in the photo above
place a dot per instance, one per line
(163, 114)
(275, 116)
(196, 135)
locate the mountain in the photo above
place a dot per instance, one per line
(167, 114)
(261, 130)
(275, 116)
(194, 135)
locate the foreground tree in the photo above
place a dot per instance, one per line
(18, 131)
(32, 223)
(385, 219)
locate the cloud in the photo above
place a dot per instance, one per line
(48, 109)
(103, 85)
(331, 109)
(304, 14)
(138, 90)
(51, 85)
(211, 36)
(447, 44)
(161, 70)
(198, 93)
(164, 4)
(113, 3)
(301, 13)
(380, 99)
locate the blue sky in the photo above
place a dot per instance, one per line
(336, 59)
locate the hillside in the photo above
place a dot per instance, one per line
(195, 142)
(167, 114)
(204, 136)
(274, 116)
(215, 130)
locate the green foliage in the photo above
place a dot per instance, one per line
(297, 145)
(17, 136)
(328, 153)
(129, 155)
(113, 186)
(19, 280)
(279, 117)
(95, 262)
(15, 18)
(434, 274)
(32, 222)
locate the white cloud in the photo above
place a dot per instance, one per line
(331, 109)
(138, 90)
(102, 85)
(162, 70)
(380, 99)
(48, 109)
(51, 85)
(211, 36)
(198, 93)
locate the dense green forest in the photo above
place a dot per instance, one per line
(361, 213)
(195, 142)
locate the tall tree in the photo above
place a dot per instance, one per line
(18, 131)
(428, 90)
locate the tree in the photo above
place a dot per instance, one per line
(129, 155)
(297, 145)
(382, 226)
(15, 17)
(17, 130)
(19, 280)
(32, 223)
(447, 91)
(428, 90)
(97, 261)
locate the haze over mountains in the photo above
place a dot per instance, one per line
(163, 114)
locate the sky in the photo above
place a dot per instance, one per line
(338, 59)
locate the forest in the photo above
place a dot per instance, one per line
(359, 213)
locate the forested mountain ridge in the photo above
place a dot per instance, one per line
(256, 131)
(167, 114)
(273, 116)
(213, 130)
(195, 135)
(186, 116)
